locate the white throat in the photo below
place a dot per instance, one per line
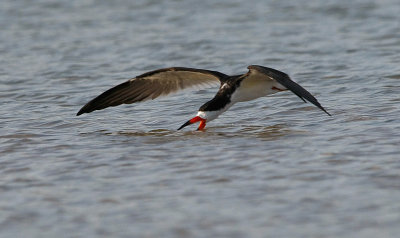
(211, 115)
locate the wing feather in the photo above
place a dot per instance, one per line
(285, 81)
(153, 84)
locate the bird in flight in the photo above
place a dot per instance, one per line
(259, 81)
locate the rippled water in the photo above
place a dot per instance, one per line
(273, 167)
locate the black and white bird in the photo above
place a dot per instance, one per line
(258, 82)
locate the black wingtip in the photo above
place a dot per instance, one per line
(88, 108)
(81, 111)
(323, 109)
(316, 103)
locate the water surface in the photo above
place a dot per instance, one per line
(273, 167)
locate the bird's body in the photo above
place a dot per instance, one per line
(258, 82)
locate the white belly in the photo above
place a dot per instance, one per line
(254, 86)
(254, 89)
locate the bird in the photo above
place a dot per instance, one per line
(259, 81)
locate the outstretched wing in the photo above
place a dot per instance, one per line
(285, 81)
(152, 85)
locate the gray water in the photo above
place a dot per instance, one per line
(273, 167)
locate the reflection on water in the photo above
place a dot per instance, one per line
(212, 132)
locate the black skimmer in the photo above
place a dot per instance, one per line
(258, 82)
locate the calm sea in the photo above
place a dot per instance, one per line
(272, 167)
